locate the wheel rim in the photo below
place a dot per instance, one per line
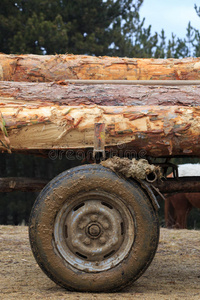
(94, 232)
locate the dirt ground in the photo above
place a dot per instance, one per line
(173, 274)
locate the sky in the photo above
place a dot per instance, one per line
(170, 15)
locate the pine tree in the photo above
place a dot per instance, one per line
(93, 27)
(193, 37)
(161, 48)
(196, 40)
(189, 41)
(176, 48)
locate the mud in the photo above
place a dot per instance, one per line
(66, 187)
(139, 169)
(173, 274)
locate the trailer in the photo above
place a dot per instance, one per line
(95, 227)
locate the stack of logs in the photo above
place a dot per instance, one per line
(47, 103)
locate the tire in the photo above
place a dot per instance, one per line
(91, 230)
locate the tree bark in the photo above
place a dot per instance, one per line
(152, 120)
(47, 68)
(46, 94)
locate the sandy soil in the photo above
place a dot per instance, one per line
(174, 273)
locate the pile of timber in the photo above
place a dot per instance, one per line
(54, 102)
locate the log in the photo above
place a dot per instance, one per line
(48, 68)
(157, 130)
(156, 120)
(24, 184)
(46, 94)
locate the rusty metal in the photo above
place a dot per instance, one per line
(182, 184)
(12, 184)
(145, 186)
(165, 167)
(169, 185)
(151, 177)
(135, 82)
(99, 139)
(94, 232)
(157, 192)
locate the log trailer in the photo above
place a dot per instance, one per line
(95, 227)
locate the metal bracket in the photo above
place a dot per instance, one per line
(151, 194)
(99, 140)
(165, 167)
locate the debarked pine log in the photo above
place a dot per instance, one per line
(47, 68)
(156, 130)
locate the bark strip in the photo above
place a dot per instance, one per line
(23, 94)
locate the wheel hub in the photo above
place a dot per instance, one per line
(94, 230)
(96, 233)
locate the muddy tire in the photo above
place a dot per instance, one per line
(91, 230)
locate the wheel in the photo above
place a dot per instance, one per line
(91, 230)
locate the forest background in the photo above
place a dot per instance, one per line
(91, 27)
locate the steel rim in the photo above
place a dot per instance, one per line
(94, 231)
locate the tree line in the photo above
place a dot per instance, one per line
(93, 27)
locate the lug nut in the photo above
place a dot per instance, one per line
(75, 243)
(81, 225)
(105, 225)
(94, 218)
(87, 241)
(115, 241)
(102, 240)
